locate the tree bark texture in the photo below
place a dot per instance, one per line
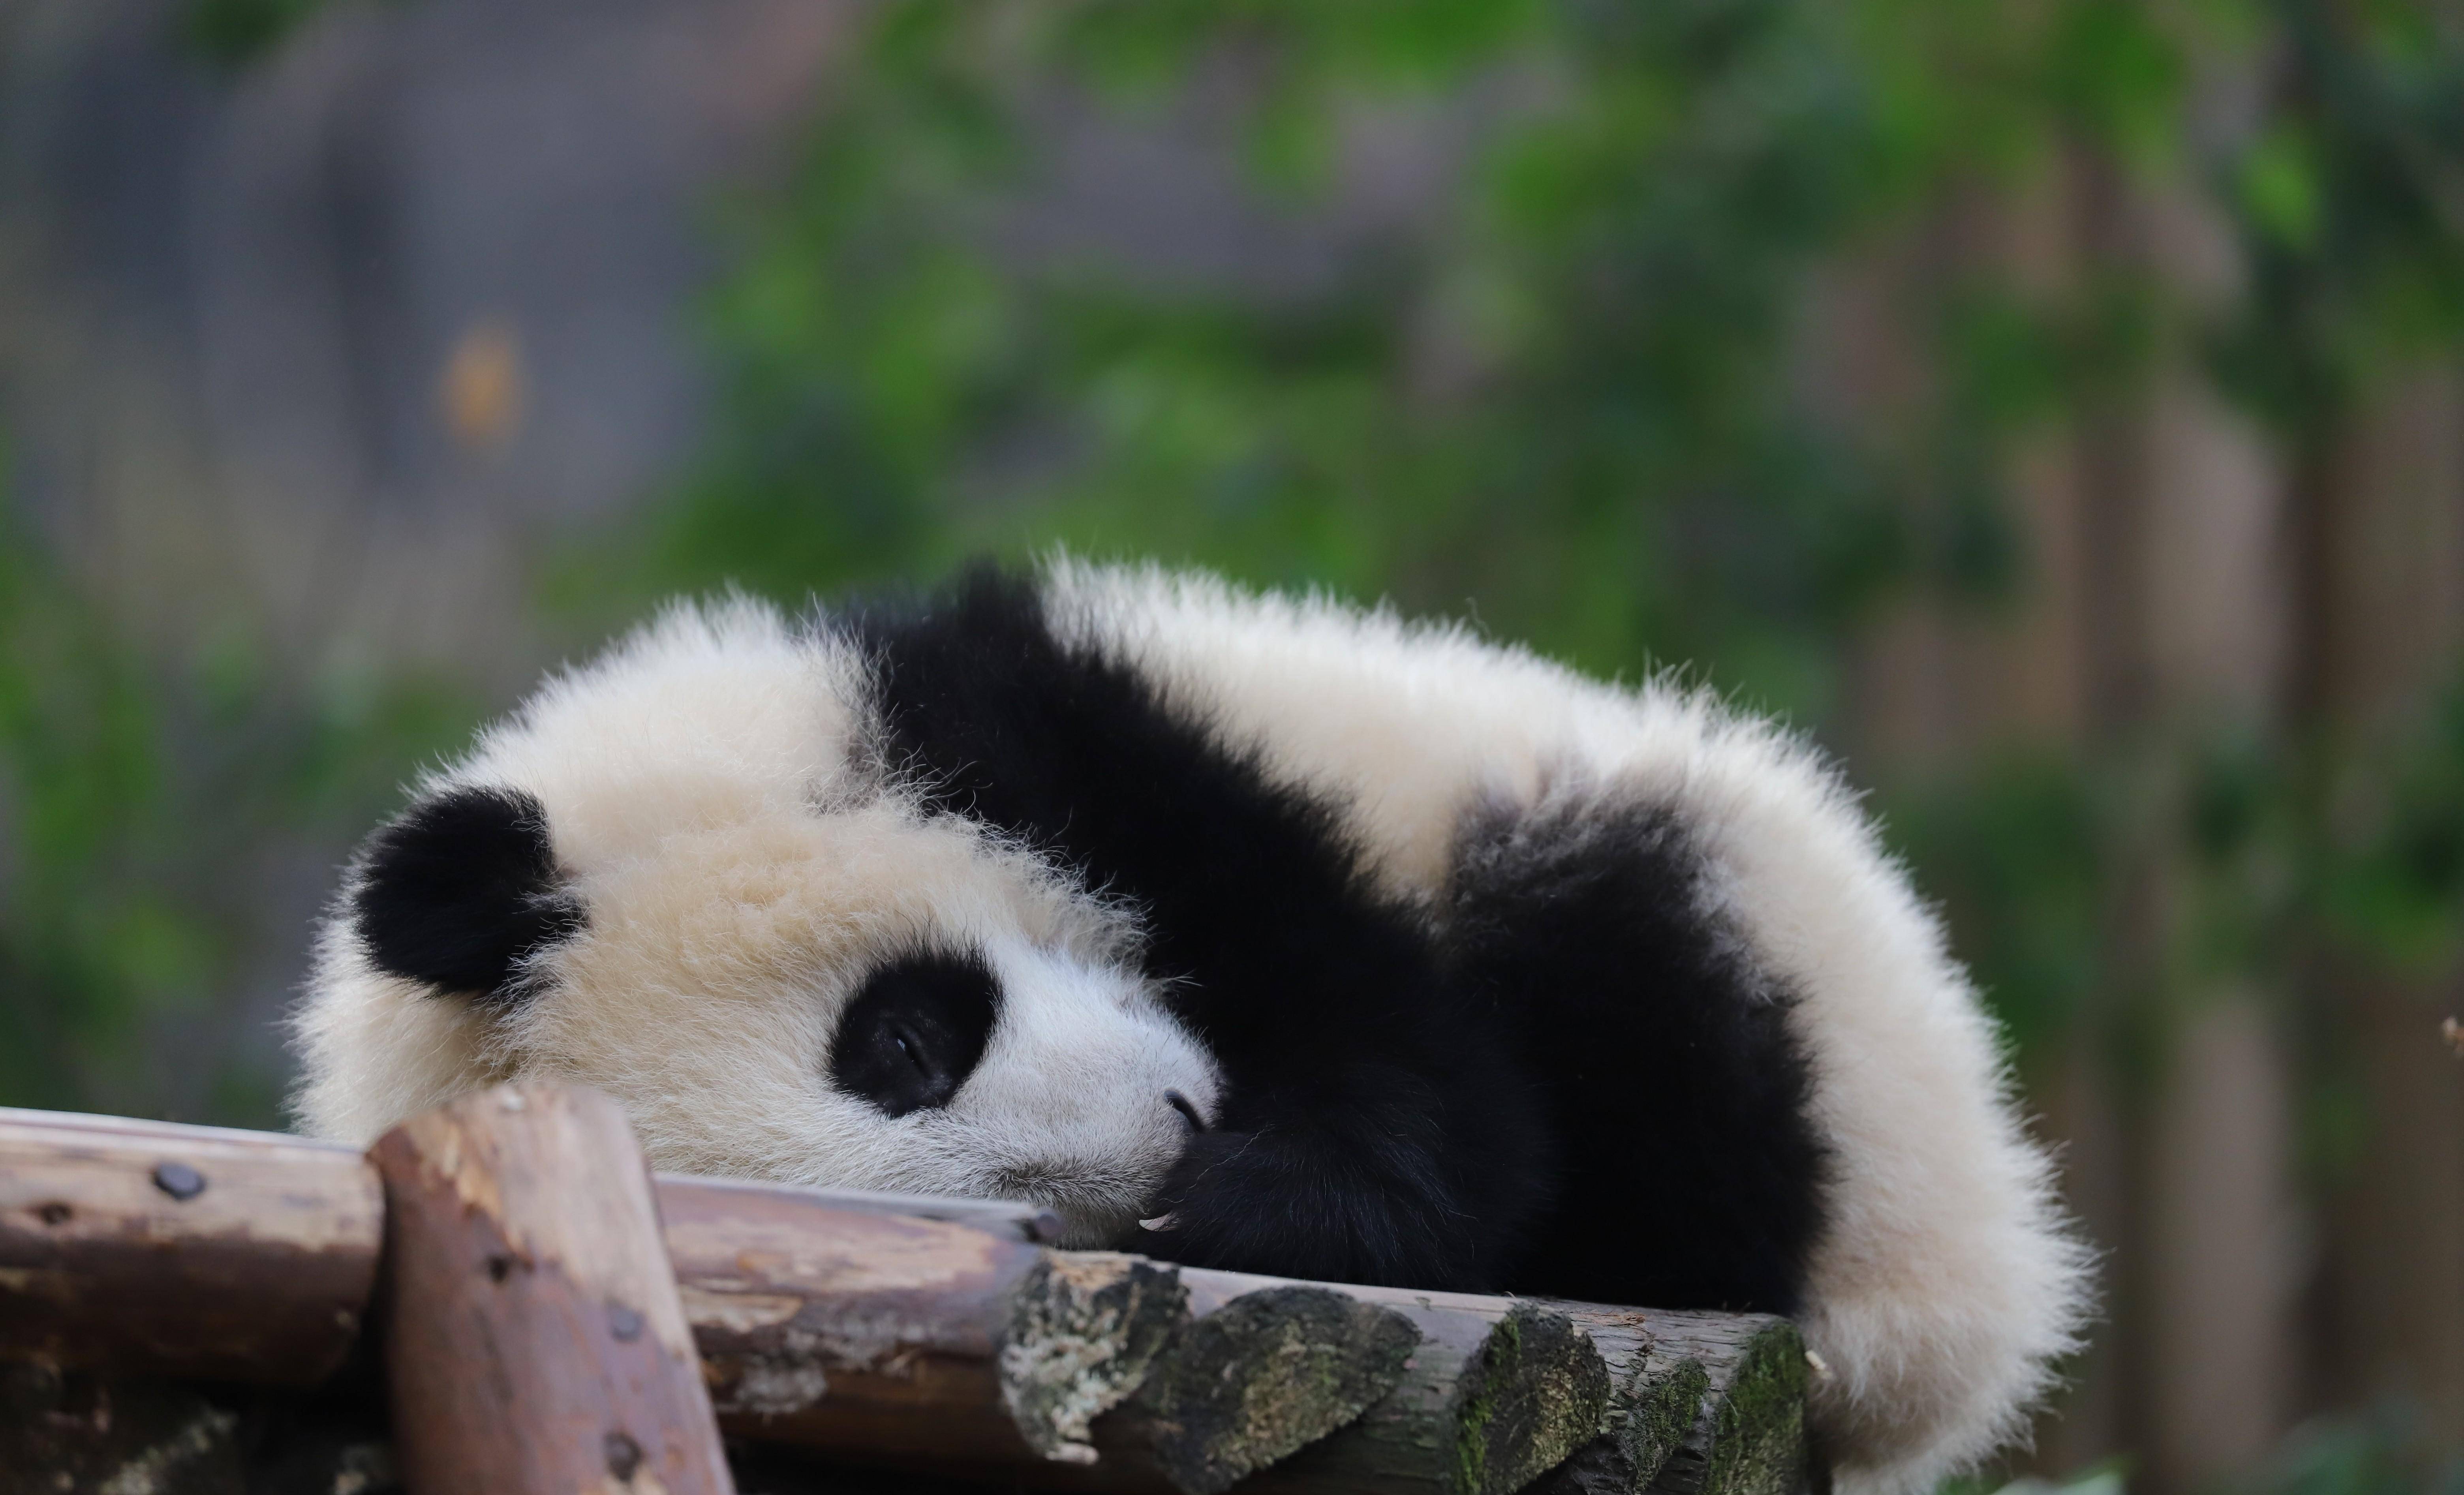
(535, 1341)
(1694, 1401)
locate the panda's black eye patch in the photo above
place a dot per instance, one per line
(915, 1031)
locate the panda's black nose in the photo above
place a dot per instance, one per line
(1188, 1112)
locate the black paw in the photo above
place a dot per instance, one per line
(1314, 1206)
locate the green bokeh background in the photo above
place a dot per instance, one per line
(1563, 408)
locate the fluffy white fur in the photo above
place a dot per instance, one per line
(706, 788)
(742, 869)
(1948, 1280)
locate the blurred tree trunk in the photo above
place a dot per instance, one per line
(2193, 599)
(2149, 617)
(2381, 568)
(2182, 583)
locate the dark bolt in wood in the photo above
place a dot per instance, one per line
(179, 1181)
(181, 1251)
(624, 1323)
(624, 1455)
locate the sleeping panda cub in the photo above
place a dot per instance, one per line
(1248, 932)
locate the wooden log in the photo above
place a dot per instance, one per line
(1007, 1218)
(1487, 1405)
(925, 1345)
(194, 1251)
(1501, 1391)
(150, 1248)
(1748, 1436)
(1696, 1401)
(1265, 1375)
(535, 1340)
(898, 1337)
(930, 1334)
(1699, 1403)
(899, 1340)
(1655, 1400)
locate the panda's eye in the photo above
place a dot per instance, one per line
(915, 1031)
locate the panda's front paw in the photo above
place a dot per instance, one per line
(1204, 1159)
(1206, 1191)
(1366, 1204)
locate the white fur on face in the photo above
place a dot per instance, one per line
(1069, 1106)
(742, 877)
(705, 991)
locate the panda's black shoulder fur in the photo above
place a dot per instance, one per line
(1676, 1089)
(1567, 1080)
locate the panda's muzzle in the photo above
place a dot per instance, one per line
(915, 1031)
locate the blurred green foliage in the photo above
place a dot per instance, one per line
(1564, 394)
(237, 32)
(1567, 398)
(144, 805)
(2398, 886)
(2346, 199)
(1564, 399)
(2385, 1451)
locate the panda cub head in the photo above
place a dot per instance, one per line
(683, 876)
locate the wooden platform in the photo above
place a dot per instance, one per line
(497, 1296)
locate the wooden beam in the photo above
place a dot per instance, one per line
(150, 1248)
(1265, 1375)
(1702, 1404)
(937, 1334)
(535, 1343)
(912, 1338)
(1490, 1401)
(1007, 1218)
(1749, 1432)
(182, 1250)
(923, 1344)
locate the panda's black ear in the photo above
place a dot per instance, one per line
(459, 889)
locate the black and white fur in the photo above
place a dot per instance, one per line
(1322, 943)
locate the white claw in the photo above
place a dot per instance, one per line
(1160, 1223)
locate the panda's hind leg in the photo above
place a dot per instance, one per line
(1689, 1172)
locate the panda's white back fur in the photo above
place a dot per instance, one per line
(711, 783)
(1948, 1279)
